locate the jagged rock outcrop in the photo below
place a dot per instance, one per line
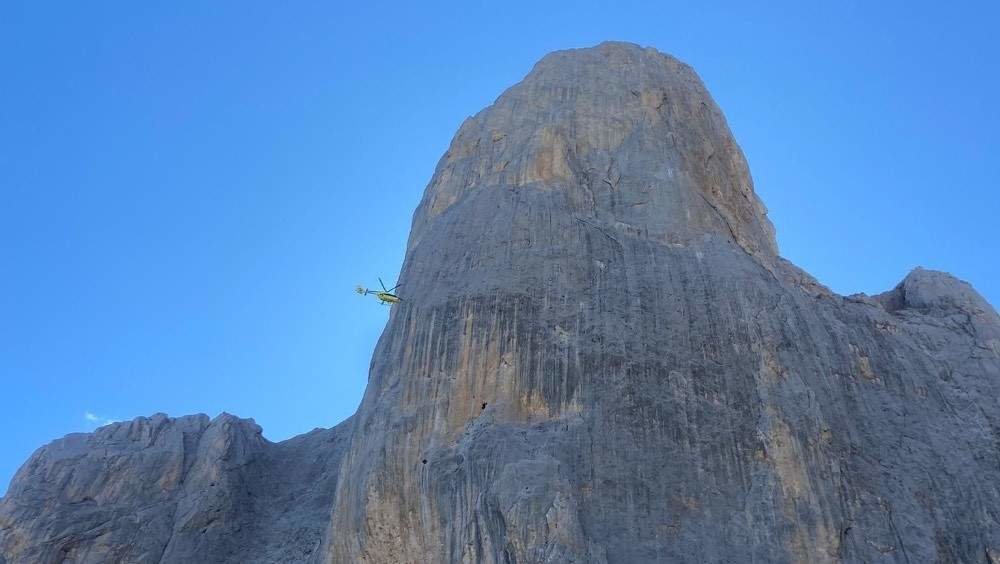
(601, 358)
(173, 490)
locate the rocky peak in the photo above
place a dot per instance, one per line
(934, 291)
(627, 136)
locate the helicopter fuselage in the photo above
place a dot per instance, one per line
(387, 298)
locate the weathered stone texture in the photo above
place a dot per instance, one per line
(172, 490)
(601, 358)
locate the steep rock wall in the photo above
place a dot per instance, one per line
(601, 358)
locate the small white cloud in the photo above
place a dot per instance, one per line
(97, 420)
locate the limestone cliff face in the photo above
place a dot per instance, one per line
(601, 358)
(172, 490)
(624, 135)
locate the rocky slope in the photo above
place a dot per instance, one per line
(601, 358)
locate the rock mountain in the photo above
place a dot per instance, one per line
(601, 358)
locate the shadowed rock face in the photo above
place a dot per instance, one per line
(600, 358)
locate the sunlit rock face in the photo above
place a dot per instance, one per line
(600, 358)
(620, 134)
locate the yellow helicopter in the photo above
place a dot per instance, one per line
(385, 296)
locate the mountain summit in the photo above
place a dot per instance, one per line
(601, 358)
(626, 136)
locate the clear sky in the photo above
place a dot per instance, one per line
(191, 190)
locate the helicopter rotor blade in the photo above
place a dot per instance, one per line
(383, 284)
(394, 287)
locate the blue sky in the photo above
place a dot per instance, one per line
(191, 190)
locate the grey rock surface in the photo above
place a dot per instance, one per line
(600, 358)
(173, 490)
